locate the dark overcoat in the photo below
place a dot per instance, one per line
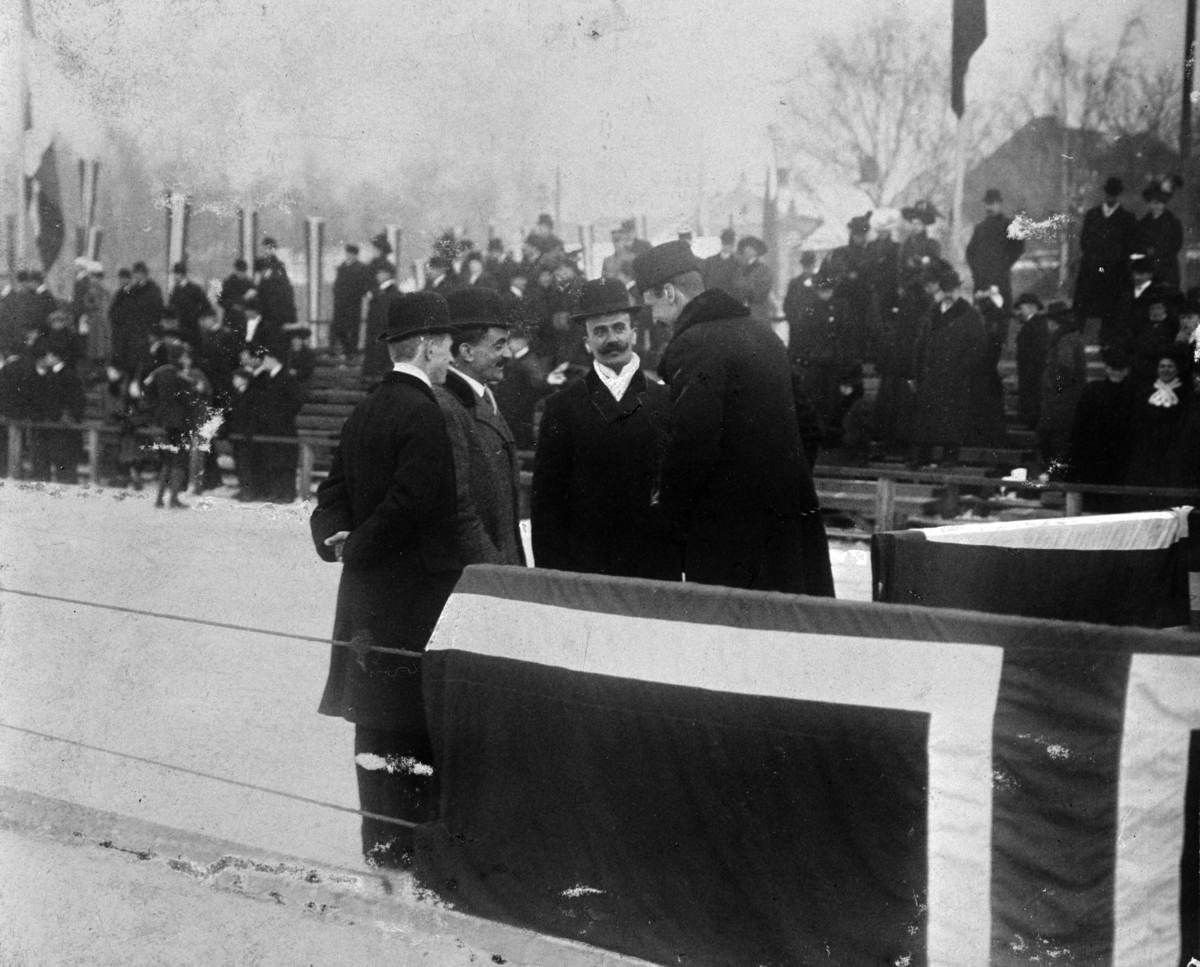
(376, 361)
(191, 305)
(350, 286)
(991, 254)
(487, 473)
(524, 386)
(134, 317)
(1162, 239)
(720, 272)
(593, 481)
(392, 486)
(736, 487)
(949, 359)
(1104, 247)
(752, 284)
(1101, 440)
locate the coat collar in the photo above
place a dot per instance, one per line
(710, 305)
(602, 399)
(460, 389)
(407, 380)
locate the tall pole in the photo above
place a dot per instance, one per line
(21, 36)
(960, 176)
(558, 199)
(1189, 78)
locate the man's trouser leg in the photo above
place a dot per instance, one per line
(395, 778)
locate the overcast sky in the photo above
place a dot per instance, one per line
(623, 95)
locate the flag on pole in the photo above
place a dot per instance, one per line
(44, 203)
(314, 244)
(969, 32)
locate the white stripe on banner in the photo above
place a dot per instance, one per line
(1146, 531)
(956, 684)
(1162, 707)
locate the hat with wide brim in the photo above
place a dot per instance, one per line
(601, 297)
(416, 314)
(754, 242)
(664, 263)
(472, 308)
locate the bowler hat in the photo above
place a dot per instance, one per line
(381, 242)
(859, 224)
(1114, 186)
(664, 263)
(269, 241)
(416, 314)
(545, 219)
(179, 268)
(728, 236)
(992, 196)
(601, 297)
(629, 225)
(469, 308)
(754, 242)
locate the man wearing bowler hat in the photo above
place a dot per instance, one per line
(386, 512)
(485, 454)
(735, 485)
(597, 454)
(1107, 238)
(991, 253)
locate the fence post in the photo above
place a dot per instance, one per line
(14, 451)
(885, 504)
(93, 445)
(950, 500)
(1074, 504)
(307, 459)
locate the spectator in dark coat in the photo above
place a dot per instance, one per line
(475, 276)
(486, 469)
(44, 301)
(720, 271)
(918, 252)
(1131, 312)
(900, 335)
(597, 456)
(351, 285)
(277, 399)
(1063, 380)
(522, 390)
(440, 277)
(301, 361)
(12, 333)
(1033, 342)
(543, 239)
(53, 394)
(376, 361)
(1159, 408)
(276, 297)
(949, 359)
(1158, 334)
(190, 304)
(850, 265)
(176, 393)
(736, 488)
(753, 282)
(988, 424)
(1160, 232)
(387, 512)
(883, 264)
(1102, 435)
(1106, 241)
(992, 253)
(235, 289)
(135, 318)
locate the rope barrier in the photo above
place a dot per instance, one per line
(357, 646)
(208, 775)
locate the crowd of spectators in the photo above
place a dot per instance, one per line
(171, 373)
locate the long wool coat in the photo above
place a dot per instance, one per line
(593, 482)
(487, 474)
(736, 486)
(1104, 247)
(392, 486)
(949, 359)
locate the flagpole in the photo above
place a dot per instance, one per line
(22, 119)
(956, 213)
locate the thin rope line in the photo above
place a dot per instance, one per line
(216, 624)
(209, 775)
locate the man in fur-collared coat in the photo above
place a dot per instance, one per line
(387, 513)
(736, 487)
(597, 455)
(485, 453)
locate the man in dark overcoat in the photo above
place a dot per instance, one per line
(524, 386)
(278, 398)
(139, 314)
(487, 472)
(991, 253)
(1160, 232)
(949, 359)
(387, 512)
(190, 304)
(735, 487)
(351, 285)
(597, 455)
(376, 361)
(720, 271)
(1106, 240)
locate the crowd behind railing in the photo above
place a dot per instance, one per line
(232, 362)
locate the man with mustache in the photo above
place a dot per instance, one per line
(596, 462)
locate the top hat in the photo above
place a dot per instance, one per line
(664, 263)
(1114, 186)
(416, 314)
(470, 308)
(545, 219)
(992, 196)
(601, 297)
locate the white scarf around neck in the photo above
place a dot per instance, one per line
(1164, 393)
(617, 383)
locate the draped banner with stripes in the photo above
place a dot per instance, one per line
(697, 775)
